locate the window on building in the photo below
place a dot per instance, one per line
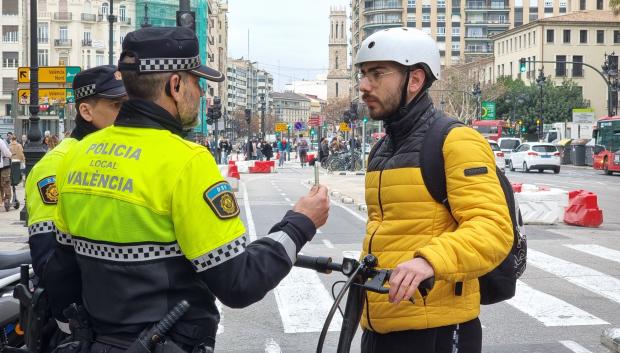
(9, 34)
(441, 18)
(426, 17)
(456, 46)
(456, 31)
(105, 10)
(566, 36)
(411, 4)
(560, 65)
(99, 59)
(582, 5)
(563, 3)
(533, 16)
(122, 38)
(10, 59)
(600, 36)
(426, 3)
(411, 17)
(441, 3)
(549, 3)
(43, 32)
(577, 66)
(441, 31)
(43, 57)
(616, 37)
(10, 7)
(122, 13)
(599, 4)
(63, 60)
(583, 36)
(64, 33)
(550, 35)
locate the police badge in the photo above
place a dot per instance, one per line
(48, 190)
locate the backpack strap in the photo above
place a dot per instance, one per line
(431, 158)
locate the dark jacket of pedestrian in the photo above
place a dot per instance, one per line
(267, 150)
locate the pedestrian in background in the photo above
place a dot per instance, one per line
(267, 150)
(5, 174)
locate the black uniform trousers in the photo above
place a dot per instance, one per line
(461, 338)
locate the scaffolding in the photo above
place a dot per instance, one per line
(162, 13)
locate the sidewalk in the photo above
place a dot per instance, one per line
(13, 233)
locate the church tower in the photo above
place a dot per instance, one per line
(338, 77)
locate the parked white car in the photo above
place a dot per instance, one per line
(535, 155)
(507, 145)
(499, 155)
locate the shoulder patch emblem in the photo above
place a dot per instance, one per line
(48, 190)
(476, 171)
(222, 200)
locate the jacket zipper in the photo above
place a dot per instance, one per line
(370, 246)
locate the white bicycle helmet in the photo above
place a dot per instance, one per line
(406, 46)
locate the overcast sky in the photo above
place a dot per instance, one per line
(289, 34)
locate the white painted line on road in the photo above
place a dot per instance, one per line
(271, 346)
(220, 325)
(283, 194)
(287, 199)
(248, 212)
(355, 214)
(585, 277)
(304, 302)
(328, 243)
(550, 310)
(575, 347)
(597, 250)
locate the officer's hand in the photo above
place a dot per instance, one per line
(315, 205)
(406, 278)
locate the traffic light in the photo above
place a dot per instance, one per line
(186, 19)
(217, 108)
(537, 121)
(353, 112)
(346, 116)
(365, 119)
(522, 67)
(312, 131)
(248, 115)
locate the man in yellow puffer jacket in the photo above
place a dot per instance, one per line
(410, 232)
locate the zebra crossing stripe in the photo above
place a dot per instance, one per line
(248, 213)
(575, 347)
(597, 250)
(550, 310)
(585, 277)
(303, 302)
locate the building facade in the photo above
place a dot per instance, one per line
(248, 86)
(462, 28)
(579, 37)
(338, 76)
(291, 107)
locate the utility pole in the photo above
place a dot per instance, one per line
(262, 117)
(476, 92)
(34, 149)
(540, 80)
(146, 16)
(111, 19)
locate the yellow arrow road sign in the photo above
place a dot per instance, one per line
(344, 127)
(281, 127)
(46, 95)
(49, 74)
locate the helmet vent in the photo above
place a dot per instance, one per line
(371, 44)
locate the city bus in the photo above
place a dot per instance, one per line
(607, 152)
(492, 129)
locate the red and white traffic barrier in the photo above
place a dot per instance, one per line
(583, 210)
(540, 205)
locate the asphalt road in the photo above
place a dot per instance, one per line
(568, 295)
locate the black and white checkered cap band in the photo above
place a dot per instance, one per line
(169, 64)
(220, 255)
(85, 91)
(42, 228)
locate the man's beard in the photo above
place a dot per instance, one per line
(391, 105)
(188, 116)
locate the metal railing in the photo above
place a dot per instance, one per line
(63, 16)
(87, 42)
(63, 42)
(89, 17)
(124, 21)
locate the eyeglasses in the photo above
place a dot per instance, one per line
(373, 76)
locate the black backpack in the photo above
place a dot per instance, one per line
(499, 284)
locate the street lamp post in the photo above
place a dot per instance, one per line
(514, 100)
(477, 93)
(610, 71)
(540, 81)
(262, 116)
(111, 19)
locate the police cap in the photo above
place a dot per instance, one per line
(102, 81)
(165, 49)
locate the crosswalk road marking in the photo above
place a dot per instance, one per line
(597, 250)
(304, 302)
(575, 347)
(550, 310)
(584, 277)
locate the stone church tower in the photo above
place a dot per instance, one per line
(338, 76)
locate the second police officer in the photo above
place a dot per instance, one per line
(156, 222)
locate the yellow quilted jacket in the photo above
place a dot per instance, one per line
(404, 222)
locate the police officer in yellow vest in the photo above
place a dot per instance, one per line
(99, 92)
(147, 219)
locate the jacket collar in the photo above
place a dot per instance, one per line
(399, 126)
(82, 128)
(143, 113)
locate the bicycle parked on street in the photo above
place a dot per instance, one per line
(350, 160)
(362, 276)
